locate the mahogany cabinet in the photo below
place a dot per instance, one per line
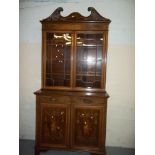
(72, 102)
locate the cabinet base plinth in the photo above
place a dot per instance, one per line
(38, 151)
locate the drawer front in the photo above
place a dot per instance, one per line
(55, 99)
(88, 100)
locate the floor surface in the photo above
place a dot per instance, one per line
(26, 147)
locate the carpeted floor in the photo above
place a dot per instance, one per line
(26, 147)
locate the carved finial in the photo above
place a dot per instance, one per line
(96, 16)
(91, 9)
(55, 15)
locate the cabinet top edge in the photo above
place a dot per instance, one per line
(75, 17)
(71, 93)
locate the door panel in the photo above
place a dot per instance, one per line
(58, 59)
(54, 124)
(89, 59)
(87, 126)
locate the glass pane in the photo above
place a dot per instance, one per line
(58, 52)
(89, 60)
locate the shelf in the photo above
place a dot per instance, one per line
(89, 61)
(89, 45)
(87, 75)
(58, 73)
(59, 62)
(57, 59)
(57, 78)
(51, 44)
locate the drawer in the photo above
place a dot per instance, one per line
(55, 99)
(88, 100)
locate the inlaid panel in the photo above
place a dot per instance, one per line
(53, 124)
(87, 123)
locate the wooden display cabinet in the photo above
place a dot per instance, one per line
(72, 103)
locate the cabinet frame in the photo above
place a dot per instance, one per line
(72, 98)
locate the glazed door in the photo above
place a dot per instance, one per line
(57, 64)
(54, 125)
(89, 60)
(88, 127)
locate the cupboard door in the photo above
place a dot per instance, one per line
(89, 60)
(54, 125)
(88, 131)
(58, 59)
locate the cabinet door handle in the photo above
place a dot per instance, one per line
(88, 101)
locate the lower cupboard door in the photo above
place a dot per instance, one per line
(88, 127)
(54, 125)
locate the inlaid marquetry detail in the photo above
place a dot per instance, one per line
(54, 124)
(87, 127)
